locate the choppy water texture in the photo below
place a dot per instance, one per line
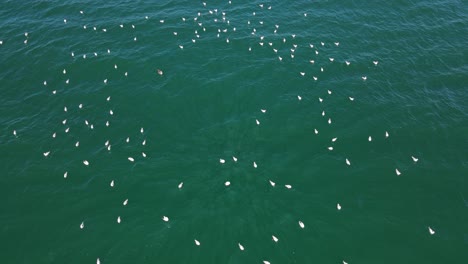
(220, 65)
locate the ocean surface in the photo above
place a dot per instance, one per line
(234, 131)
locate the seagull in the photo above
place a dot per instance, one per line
(118, 220)
(77, 144)
(312, 61)
(266, 262)
(275, 238)
(144, 142)
(131, 159)
(370, 139)
(375, 63)
(234, 159)
(431, 231)
(255, 164)
(227, 183)
(14, 133)
(160, 72)
(111, 112)
(301, 224)
(165, 219)
(337, 43)
(302, 73)
(86, 163)
(288, 186)
(347, 63)
(82, 225)
(364, 78)
(329, 121)
(298, 97)
(263, 110)
(348, 162)
(197, 242)
(272, 183)
(256, 121)
(330, 148)
(351, 98)
(112, 183)
(222, 161)
(315, 78)
(98, 261)
(180, 185)
(105, 81)
(334, 139)
(241, 247)
(315, 131)
(143, 154)
(329, 92)
(46, 153)
(344, 262)
(414, 159)
(398, 173)
(386, 134)
(65, 175)
(142, 130)
(331, 59)
(338, 206)
(125, 202)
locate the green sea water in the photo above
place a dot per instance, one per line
(222, 63)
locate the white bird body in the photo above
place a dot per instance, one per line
(288, 186)
(272, 183)
(65, 175)
(234, 159)
(222, 161)
(255, 164)
(131, 159)
(431, 231)
(118, 220)
(227, 183)
(86, 163)
(181, 185)
(112, 183)
(46, 153)
(125, 202)
(258, 122)
(241, 247)
(348, 162)
(274, 238)
(398, 173)
(299, 97)
(301, 224)
(414, 159)
(316, 131)
(82, 225)
(370, 138)
(197, 242)
(338, 206)
(165, 219)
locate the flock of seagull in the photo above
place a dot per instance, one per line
(224, 25)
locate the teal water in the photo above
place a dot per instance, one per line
(204, 108)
